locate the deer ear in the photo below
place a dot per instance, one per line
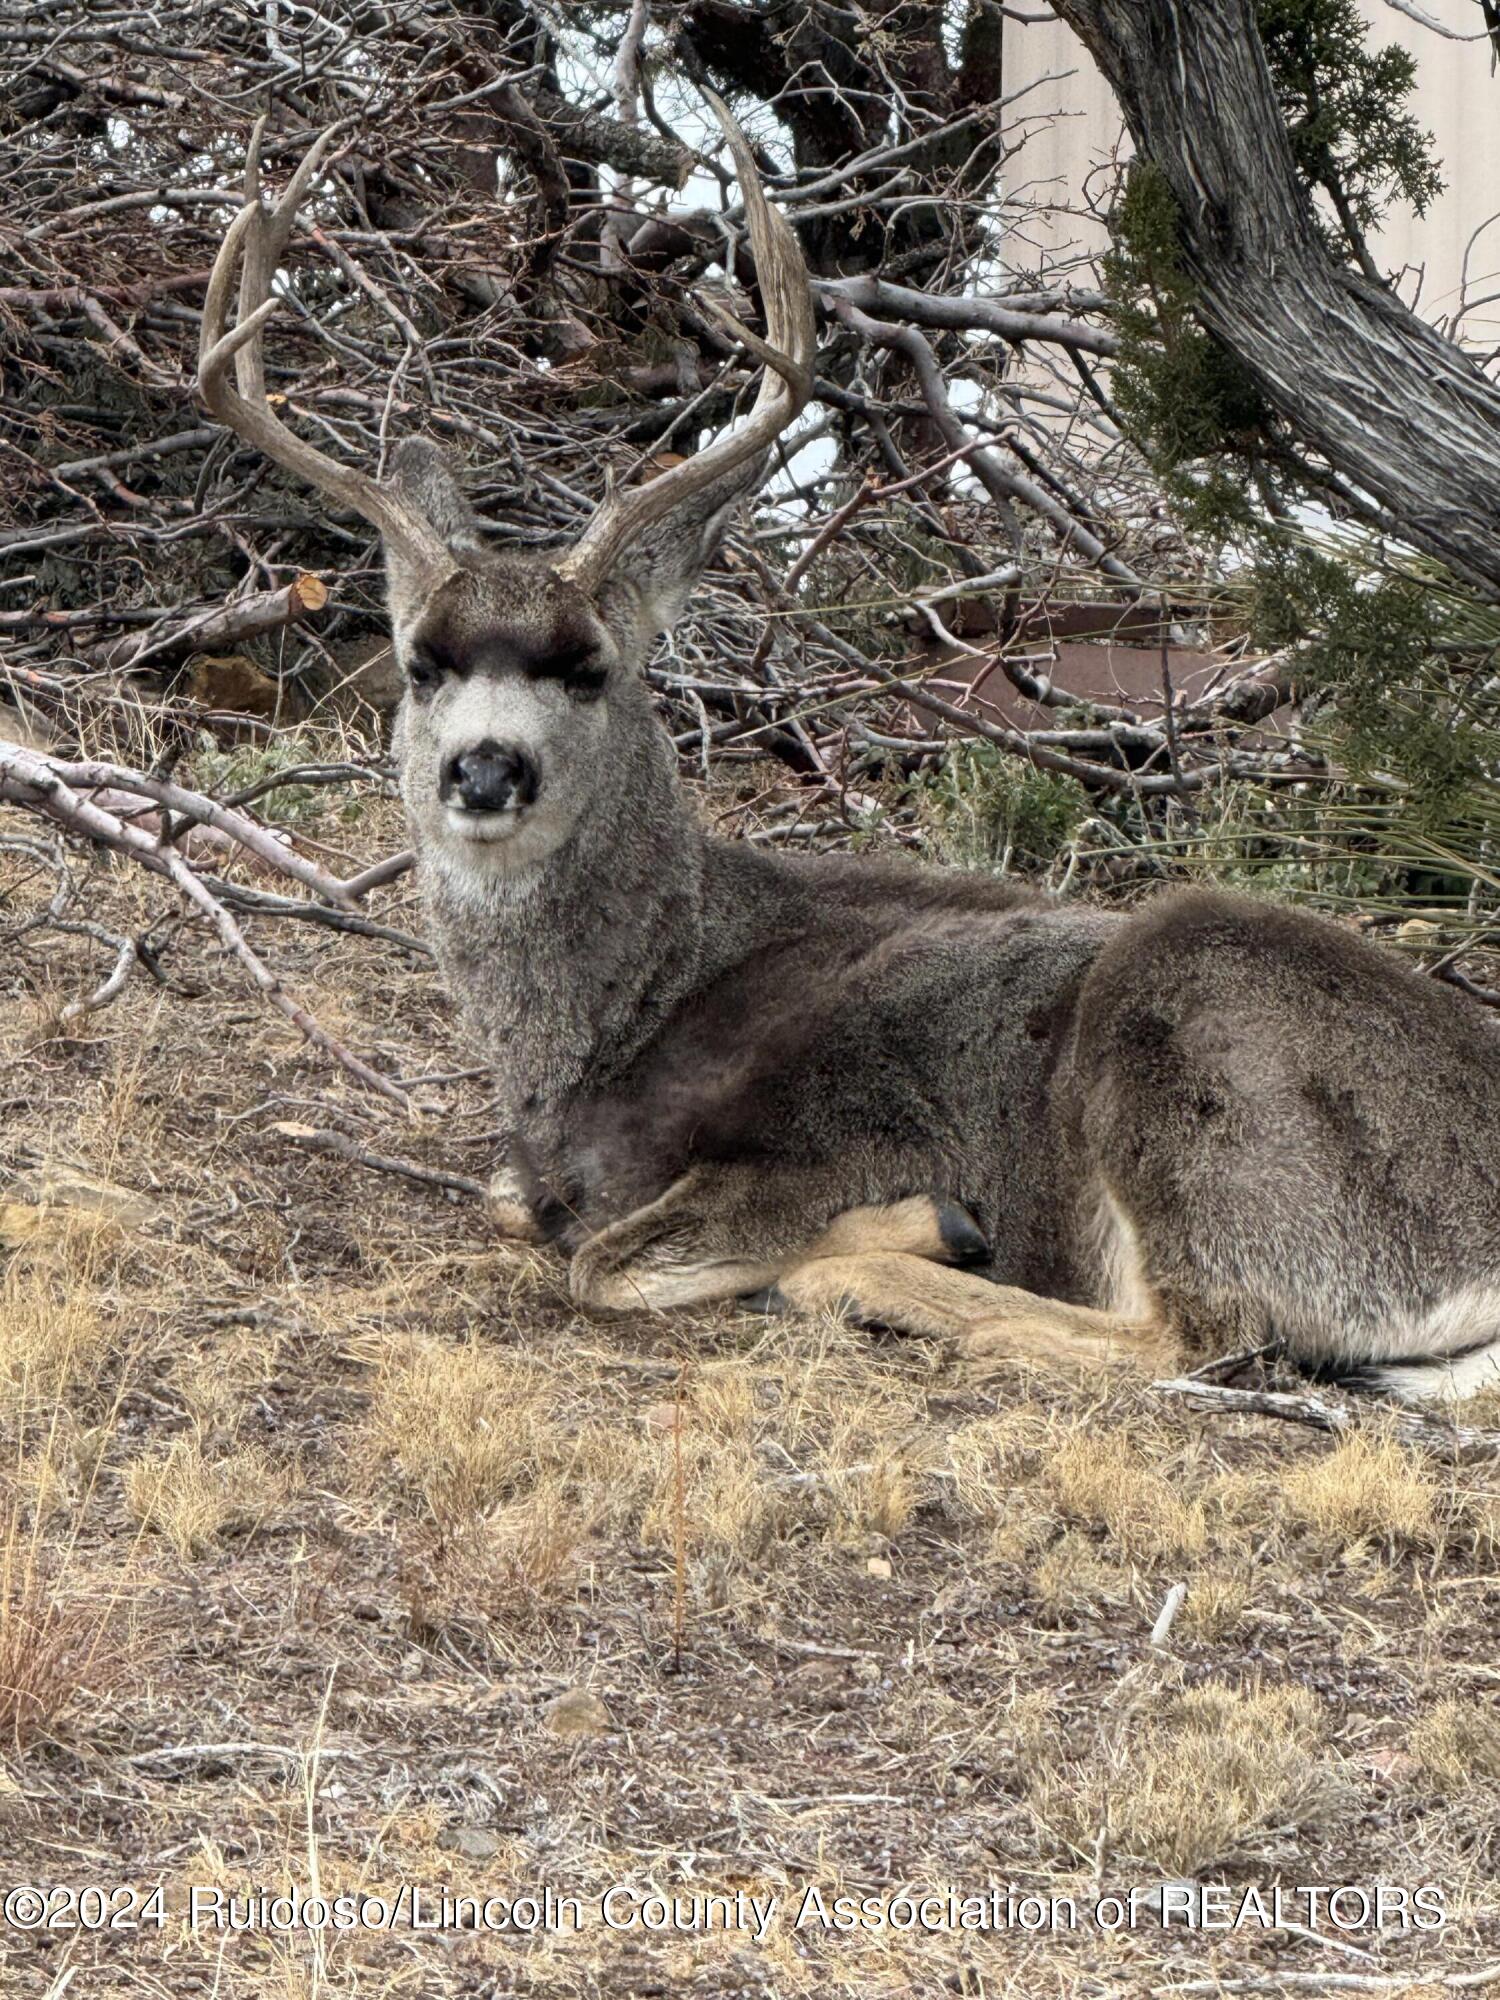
(657, 572)
(422, 474)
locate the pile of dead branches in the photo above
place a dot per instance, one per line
(521, 246)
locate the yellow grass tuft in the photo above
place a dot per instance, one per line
(497, 1576)
(194, 1501)
(52, 1334)
(462, 1429)
(50, 1654)
(721, 1398)
(732, 1506)
(1196, 1788)
(1102, 1479)
(995, 1454)
(1363, 1488)
(879, 1498)
(215, 1382)
(1457, 1743)
(60, 1644)
(1072, 1576)
(1215, 1605)
(1241, 1501)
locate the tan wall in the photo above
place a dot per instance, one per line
(1457, 98)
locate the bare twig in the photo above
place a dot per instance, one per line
(32, 781)
(311, 1140)
(1410, 1427)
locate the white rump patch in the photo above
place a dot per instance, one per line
(1445, 1381)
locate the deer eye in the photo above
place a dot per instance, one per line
(579, 668)
(585, 681)
(424, 667)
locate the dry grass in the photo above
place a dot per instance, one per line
(54, 1655)
(340, 1469)
(1457, 1743)
(879, 1499)
(1195, 1788)
(1215, 1605)
(64, 1643)
(53, 1334)
(461, 1429)
(1074, 1577)
(1365, 1488)
(1100, 1477)
(497, 1579)
(195, 1501)
(737, 1512)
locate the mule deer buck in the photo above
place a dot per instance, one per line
(939, 1101)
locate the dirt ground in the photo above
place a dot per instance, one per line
(342, 1558)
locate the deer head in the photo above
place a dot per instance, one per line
(525, 703)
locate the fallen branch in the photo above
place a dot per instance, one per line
(108, 989)
(261, 903)
(312, 1139)
(1409, 1427)
(55, 918)
(224, 624)
(1337, 1982)
(32, 781)
(197, 1753)
(31, 778)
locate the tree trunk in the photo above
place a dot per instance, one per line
(1398, 409)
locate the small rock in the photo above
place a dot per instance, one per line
(1392, 1764)
(818, 1675)
(62, 1188)
(578, 1712)
(473, 1843)
(878, 1566)
(665, 1417)
(233, 681)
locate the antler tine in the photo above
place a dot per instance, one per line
(258, 241)
(785, 387)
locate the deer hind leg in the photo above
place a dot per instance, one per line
(721, 1235)
(983, 1322)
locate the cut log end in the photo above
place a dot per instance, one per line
(308, 593)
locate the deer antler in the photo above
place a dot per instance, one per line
(260, 240)
(787, 353)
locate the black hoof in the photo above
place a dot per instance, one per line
(771, 1300)
(962, 1237)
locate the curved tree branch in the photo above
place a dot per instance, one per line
(1404, 413)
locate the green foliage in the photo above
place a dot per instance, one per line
(223, 772)
(1345, 109)
(1394, 664)
(983, 809)
(1398, 670)
(1182, 394)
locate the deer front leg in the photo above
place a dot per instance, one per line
(719, 1233)
(508, 1208)
(981, 1321)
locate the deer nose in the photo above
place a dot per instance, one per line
(489, 777)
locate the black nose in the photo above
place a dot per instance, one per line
(489, 777)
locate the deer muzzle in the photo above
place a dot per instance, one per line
(489, 778)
